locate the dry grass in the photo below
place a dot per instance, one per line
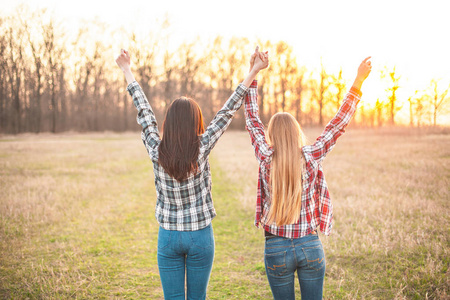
(76, 217)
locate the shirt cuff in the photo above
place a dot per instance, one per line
(356, 91)
(132, 87)
(254, 84)
(241, 90)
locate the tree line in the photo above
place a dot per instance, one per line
(54, 80)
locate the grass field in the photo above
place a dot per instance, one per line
(77, 218)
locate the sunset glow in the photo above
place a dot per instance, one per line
(408, 35)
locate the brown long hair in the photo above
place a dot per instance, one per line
(180, 144)
(287, 140)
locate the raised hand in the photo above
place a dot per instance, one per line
(258, 61)
(124, 62)
(261, 61)
(262, 55)
(252, 58)
(364, 68)
(363, 71)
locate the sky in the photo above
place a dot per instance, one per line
(410, 35)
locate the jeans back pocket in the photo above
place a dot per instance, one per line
(315, 257)
(164, 238)
(203, 238)
(275, 263)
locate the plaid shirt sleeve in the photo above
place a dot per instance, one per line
(324, 213)
(145, 118)
(262, 149)
(336, 127)
(254, 125)
(222, 119)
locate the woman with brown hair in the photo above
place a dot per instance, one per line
(293, 201)
(184, 207)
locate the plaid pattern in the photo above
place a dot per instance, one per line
(316, 210)
(186, 205)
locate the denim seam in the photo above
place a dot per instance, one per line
(308, 241)
(274, 240)
(279, 247)
(295, 253)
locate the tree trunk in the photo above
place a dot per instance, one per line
(125, 112)
(16, 100)
(411, 121)
(54, 105)
(434, 116)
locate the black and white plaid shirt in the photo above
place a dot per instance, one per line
(186, 205)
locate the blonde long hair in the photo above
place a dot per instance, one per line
(287, 139)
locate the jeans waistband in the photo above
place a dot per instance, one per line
(269, 235)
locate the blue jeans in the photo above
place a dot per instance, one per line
(185, 252)
(283, 256)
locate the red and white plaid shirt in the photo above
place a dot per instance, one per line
(316, 210)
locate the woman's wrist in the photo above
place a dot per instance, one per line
(250, 77)
(128, 75)
(358, 83)
(254, 72)
(126, 68)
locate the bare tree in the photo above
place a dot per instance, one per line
(79, 79)
(212, 73)
(411, 120)
(63, 99)
(287, 69)
(52, 81)
(411, 101)
(339, 84)
(98, 73)
(34, 33)
(53, 55)
(189, 68)
(3, 76)
(322, 88)
(14, 70)
(420, 109)
(144, 51)
(392, 89)
(227, 60)
(379, 112)
(298, 92)
(438, 99)
(169, 81)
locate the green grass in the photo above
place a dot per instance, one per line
(77, 218)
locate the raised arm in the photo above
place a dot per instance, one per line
(253, 122)
(336, 127)
(146, 117)
(224, 116)
(254, 125)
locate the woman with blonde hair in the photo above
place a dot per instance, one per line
(184, 206)
(293, 201)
